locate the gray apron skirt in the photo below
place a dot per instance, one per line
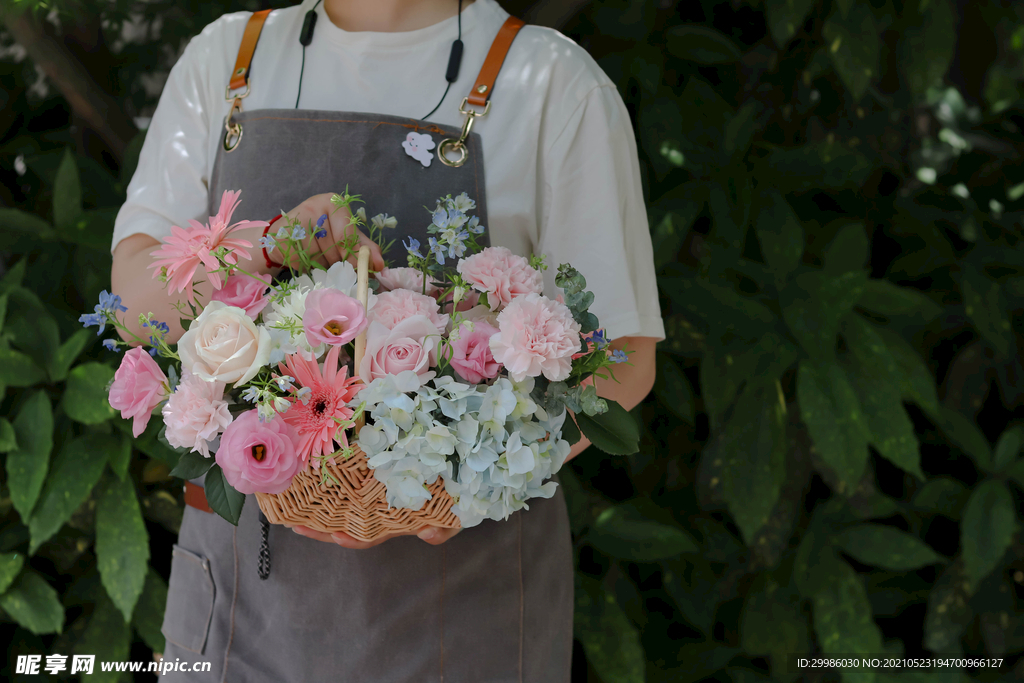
(492, 605)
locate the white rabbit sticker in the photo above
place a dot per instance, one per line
(418, 146)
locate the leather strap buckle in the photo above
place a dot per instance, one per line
(459, 145)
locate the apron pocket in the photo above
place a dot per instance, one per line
(190, 595)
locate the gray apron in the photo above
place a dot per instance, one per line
(492, 605)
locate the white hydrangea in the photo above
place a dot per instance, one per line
(493, 446)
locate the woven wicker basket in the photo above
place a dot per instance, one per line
(358, 506)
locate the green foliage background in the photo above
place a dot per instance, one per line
(830, 460)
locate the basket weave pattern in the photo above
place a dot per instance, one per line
(358, 507)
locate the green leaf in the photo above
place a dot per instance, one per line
(985, 306)
(8, 439)
(753, 453)
(1016, 473)
(927, 47)
(149, 612)
(608, 637)
(968, 437)
(10, 565)
(1008, 448)
(667, 239)
(849, 251)
(843, 621)
(832, 413)
(120, 456)
(86, 397)
(885, 298)
(67, 193)
(943, 496)
(570, 431)
(615, 432)
(16, 273)
(772, 624)
(781, 236)
(785, 18)
(68, 352)
(18, 369)
(814, 303)
(986, 529)
(23, 233)
(854, 45)
(673, 389)
(34, 604)
(32, 327)
(826, 165)
(948, 611)
(122, 544)
(193, 465)
(76, 469)
(691, 584)
(696, 43)
(873, 374)
(222, 497)
(621, 531)
(916, 381)
(887, 547)
(26, 466)
(739, 130)
(108, 637)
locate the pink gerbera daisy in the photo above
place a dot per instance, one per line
(185, 249)
(313, 416)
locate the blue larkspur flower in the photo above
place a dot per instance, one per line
(152, 352)
(458, 246)
(268, 242)
(441, 217)
(599, 339)
(320, 221)
(437, 249)
(283, 232)
(90, 319)
(464, 203)
(474, 225)
(250, 394)
(299, 233)
(111, 344)
(303, 394)
(320, 233)
(413, 247)
(619, 356)
(109, 303)
(284, 383)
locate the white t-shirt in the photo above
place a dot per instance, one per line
(562, 175)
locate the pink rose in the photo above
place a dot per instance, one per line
(258, 456)
(501, 274)
(332, 317)
(139, 387)
(536, 335)
(391, 279)
(470, 353)
(409, 345)
(401, 304)
(243, 291)
(195, 413)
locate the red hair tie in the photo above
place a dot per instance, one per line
(266, 256)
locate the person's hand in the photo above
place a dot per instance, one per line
(337, 227)
(431, 534)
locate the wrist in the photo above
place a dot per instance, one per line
(269, 262)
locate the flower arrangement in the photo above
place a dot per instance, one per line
(467, 370)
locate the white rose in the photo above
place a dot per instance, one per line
(224, 345)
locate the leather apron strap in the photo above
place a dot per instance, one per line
(240, 74)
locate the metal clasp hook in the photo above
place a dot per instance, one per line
(459, 145)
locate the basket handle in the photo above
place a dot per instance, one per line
(362, 291)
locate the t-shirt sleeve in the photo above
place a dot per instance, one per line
(170, 183)
(593, 215)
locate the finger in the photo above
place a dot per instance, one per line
(376, 258)
(346, 541)
(436, 535)
(310, 533)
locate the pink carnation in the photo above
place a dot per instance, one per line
(258, 456)
(243, 291)
(405, 278)
(332, 317)
(502, 275)
(398, 305)
(470, 353)
(139, 386)
(195, 413)
(536, 335)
